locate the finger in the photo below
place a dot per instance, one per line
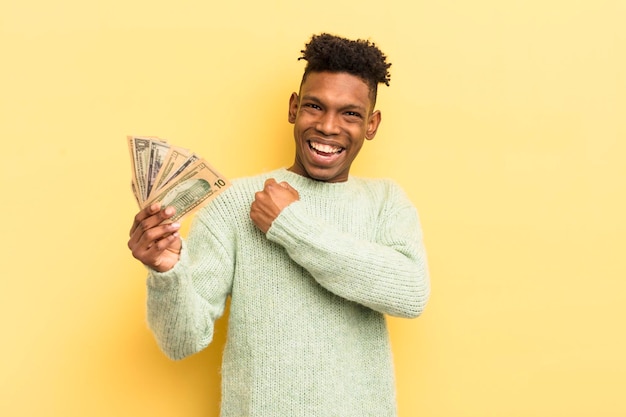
(154, 241)
(292, 191)
(151, 229)
(171, 242)
(154, 218)
(269, 182)
(147, 238)
(144, 214)
(168, 257)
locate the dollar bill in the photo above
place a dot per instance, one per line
(174, 159)
(196, 186)
(186, 164)
(140, 154)
(158, 151)
(171, 175)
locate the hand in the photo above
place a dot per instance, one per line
(269, 202)
(156, 244)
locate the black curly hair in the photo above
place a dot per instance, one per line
(361, 58)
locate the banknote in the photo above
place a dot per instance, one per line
(187, 192)
(177, 167)
(172, 176)
(140, 154)
(174, 159)
(158, 150)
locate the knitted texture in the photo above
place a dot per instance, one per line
(306, 334)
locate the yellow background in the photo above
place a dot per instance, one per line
(504, 121)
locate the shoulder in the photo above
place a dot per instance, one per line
(381, 187)
(385, 194)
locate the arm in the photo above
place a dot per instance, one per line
(185, 300)
(388, 274)
(184, 303)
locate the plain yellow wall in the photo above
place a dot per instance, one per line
(504, 121)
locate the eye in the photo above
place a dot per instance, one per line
(312, 106)
(353, 114)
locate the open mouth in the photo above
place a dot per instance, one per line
(325, 150)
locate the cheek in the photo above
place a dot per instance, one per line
(301, 123)
(357, 148)
(357, 133)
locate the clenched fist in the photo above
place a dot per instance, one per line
(269, 202)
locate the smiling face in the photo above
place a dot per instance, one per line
(332, 116)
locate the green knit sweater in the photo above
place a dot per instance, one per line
(306, 333)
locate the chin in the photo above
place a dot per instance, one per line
(324, 175)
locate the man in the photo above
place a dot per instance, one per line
(311, 257)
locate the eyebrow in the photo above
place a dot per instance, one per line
(353, 107)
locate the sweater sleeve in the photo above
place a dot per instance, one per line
(184, 302)
(388, 274)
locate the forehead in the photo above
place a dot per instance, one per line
(339, 87)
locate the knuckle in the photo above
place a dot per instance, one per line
(151, 235)
(139, 217)
(144, 225)
(165, 213)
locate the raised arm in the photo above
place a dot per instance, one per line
(387, 272)
(190, 294)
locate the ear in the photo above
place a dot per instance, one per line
(293, 107)
(372, 125)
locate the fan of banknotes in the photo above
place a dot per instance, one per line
(172, 175)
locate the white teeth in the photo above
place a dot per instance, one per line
(325, 148)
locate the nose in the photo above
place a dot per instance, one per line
(327, 124)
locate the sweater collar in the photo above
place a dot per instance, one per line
(311, 186)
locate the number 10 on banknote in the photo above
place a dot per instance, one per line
(172, 176)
